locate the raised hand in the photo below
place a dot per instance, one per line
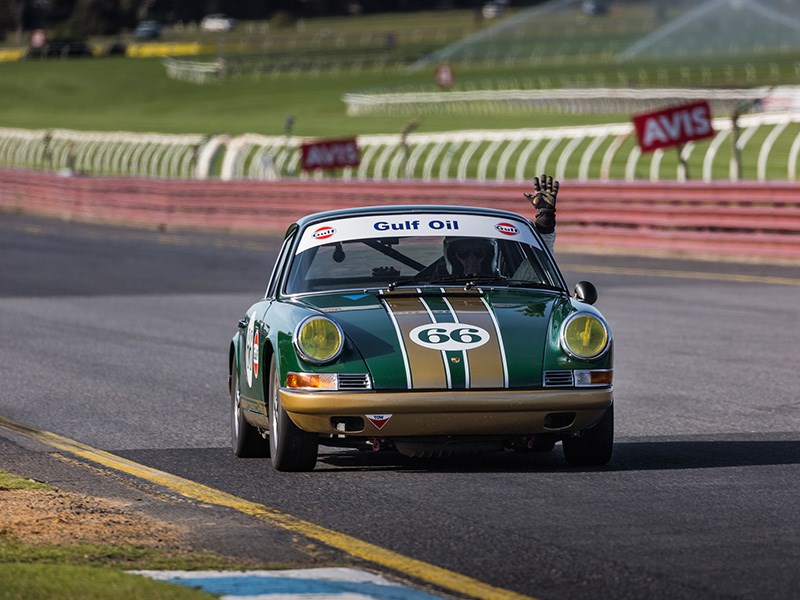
(545, 192)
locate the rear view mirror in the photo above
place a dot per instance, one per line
(586, 292)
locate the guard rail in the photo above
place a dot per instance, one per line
(746, 220)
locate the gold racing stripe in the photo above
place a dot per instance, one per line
(426, 365)
(487, 365)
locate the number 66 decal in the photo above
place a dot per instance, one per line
(449, 336)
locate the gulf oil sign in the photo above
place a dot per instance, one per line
(673, 126)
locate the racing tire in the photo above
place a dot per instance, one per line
(594, 446)
(291, 448)
(247, 442)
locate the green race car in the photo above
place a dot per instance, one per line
(429, 330)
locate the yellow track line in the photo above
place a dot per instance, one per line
(681, 274)
(443, 578)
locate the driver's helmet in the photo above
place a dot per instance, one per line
(457, 250)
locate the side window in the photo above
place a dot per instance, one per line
(280, 263)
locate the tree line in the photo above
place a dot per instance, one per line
(81, 18)
(78, 18)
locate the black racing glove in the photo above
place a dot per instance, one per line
(543, 199)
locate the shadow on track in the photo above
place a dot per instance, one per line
(628, 456)
(648, 455)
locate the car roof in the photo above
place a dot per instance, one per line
(405, 209)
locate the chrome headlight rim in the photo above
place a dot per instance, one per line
(307, 357)
(562, 336)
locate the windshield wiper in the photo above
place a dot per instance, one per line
(418, 278)
(426, 279)
(485, 279)
(476, 280)
(469, 281)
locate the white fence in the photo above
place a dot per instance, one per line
(564, 101)
(108, 153)
(195, 71)
(767, 144)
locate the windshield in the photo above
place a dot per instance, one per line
(414, 254)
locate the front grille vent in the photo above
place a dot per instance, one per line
(356, 381)
(558, 379)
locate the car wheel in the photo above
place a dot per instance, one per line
(291, 448)
(245, 439)
(594, 446)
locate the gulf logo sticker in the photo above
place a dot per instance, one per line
(507, 228)
(378, 420)
(323, 232)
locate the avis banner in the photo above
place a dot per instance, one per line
(673, 126)
(330, 154)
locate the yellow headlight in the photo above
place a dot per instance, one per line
(318, 340)
(584, 336)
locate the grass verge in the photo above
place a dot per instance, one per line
(87, 561)
(65, 582)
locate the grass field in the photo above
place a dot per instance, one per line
(135, 95)
(128, 94)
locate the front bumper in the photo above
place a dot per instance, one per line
(490, 412)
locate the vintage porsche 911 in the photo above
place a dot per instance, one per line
(427, 330)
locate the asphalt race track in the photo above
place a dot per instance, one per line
(118, 338)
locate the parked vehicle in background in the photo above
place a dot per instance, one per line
(595, 7)
(61, 49)
(494, 9)
(217, 22)
(147, 30)
(116, 49)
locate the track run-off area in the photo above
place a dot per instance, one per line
(115, 340)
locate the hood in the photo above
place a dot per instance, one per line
(446, 339)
